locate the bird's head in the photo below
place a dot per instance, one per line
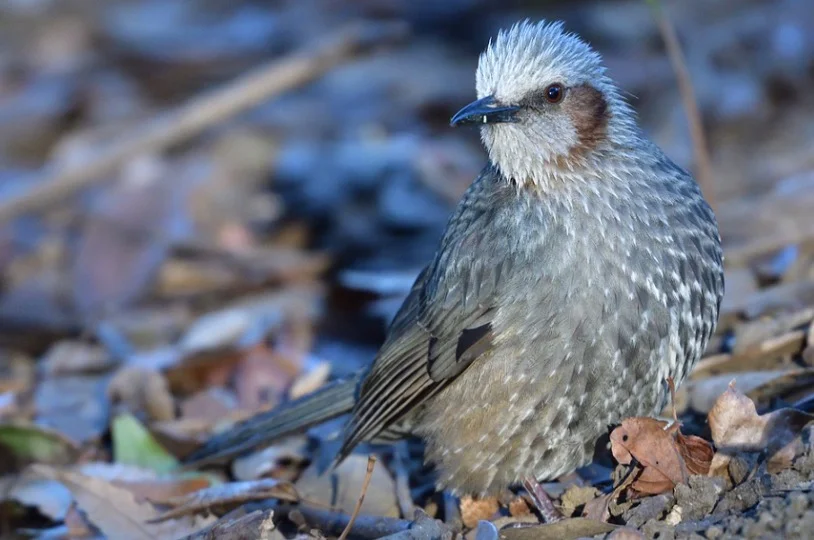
(544, 102)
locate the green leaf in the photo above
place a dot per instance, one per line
(30, 443)
(134, 445)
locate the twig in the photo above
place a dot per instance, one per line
(203, 112)
(672, 386)
(685, 89)
(371, 463)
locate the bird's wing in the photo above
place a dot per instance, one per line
(441, 328)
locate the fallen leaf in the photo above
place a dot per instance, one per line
(78, 525)
(133, 445)
(210, 405)
(645, 440)
(50, 497)
(565, 529)
(226, 496)
(23, 443)
(140, 390)
(474, 510)
(75, 405)
(518, 507)
(736, 427)
(310, 381)
(164, 488)
(71, 357)
(262, 377)
(340, 488)
(270, 460)
(115, 511)
(697, 453)
(125, 239)
(667, 457)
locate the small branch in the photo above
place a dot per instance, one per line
(204, 112)
(685, 88)
(371, 463)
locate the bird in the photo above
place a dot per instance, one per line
(581, 270)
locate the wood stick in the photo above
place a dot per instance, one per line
(203, 112)
(685, 89)
(371, 463)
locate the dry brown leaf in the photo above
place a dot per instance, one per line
(211, 405)
(77, 524)
(697, 453)
(645, 440)
(142, 390)
(519, 507)
(474, 510)
(161, 489)
(736, 427)
(124, 241)
(115, 511)
(310, 381)
(667, 457)
(226, 496)
(262, 377)
(341, 486)
(68, 357)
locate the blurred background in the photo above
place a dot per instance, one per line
(207, 275)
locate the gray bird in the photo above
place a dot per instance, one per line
(579, 272)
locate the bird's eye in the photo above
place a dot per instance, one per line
(554, 93)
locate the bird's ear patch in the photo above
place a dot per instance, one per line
(588, 110)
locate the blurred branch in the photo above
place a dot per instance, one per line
(685, 88)
(205, 111)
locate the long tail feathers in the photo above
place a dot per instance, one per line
(296, 416)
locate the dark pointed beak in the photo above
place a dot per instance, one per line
(484, 111)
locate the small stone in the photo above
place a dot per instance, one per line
(798, 504)
(674, 517)
(575, 498)
(658, 529)
(740, 466)
(740, 498)
(714, 532)
(649, 508)
(699, 497)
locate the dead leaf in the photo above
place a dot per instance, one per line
(310, 381)
(125, 240)
(697, 453)
(340, 488)
(262, 377)
(115, 511)
(210, 405)
(49, 497)
(226, 496)
(70, 357)
(736, 427)
(519, 507)
(661, 450)
(474, 510)
(78, 525)
(645, 440)
(270, 461)
(24, 443)
(139, 390)
(164, 488)
(565, 529)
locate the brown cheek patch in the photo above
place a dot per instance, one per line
(588, 110)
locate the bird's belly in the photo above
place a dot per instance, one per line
(525, 414)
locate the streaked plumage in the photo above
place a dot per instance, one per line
(579, 271)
